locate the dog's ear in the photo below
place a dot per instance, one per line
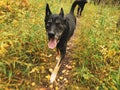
(48, 12)
(61, 12)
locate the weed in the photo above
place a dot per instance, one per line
(25, 58)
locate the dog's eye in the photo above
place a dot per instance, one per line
(48, 24)
(50, 21)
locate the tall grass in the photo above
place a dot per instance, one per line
(98, 50)
(25, 58)
(23, 49)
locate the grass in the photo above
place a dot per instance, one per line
(25, 58)
(98, 50)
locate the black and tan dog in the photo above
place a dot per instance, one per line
(59, 28)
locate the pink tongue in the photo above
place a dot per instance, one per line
(52, 43)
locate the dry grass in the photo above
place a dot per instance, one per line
(25, 58)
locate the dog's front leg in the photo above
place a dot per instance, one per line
(56, 69)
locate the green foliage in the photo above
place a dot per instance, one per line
(22, 44)
(25, 58)
(98, 50)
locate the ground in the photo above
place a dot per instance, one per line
(93, 52)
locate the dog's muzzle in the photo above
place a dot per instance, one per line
(52, 40)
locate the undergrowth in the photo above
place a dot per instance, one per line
(98, 50)
(25, 58)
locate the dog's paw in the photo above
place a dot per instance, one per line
(54, 73)
(53, 76)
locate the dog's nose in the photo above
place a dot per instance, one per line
(51, 34)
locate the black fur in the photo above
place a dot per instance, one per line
(60, 27)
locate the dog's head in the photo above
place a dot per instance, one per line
(55, 26)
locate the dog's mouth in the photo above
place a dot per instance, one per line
(53, 40)
(52, 43)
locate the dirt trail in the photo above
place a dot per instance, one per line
(65, 77)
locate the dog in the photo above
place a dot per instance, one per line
(81, 5)
(59, 28)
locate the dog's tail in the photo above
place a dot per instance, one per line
(73, 6)
(75, 3)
